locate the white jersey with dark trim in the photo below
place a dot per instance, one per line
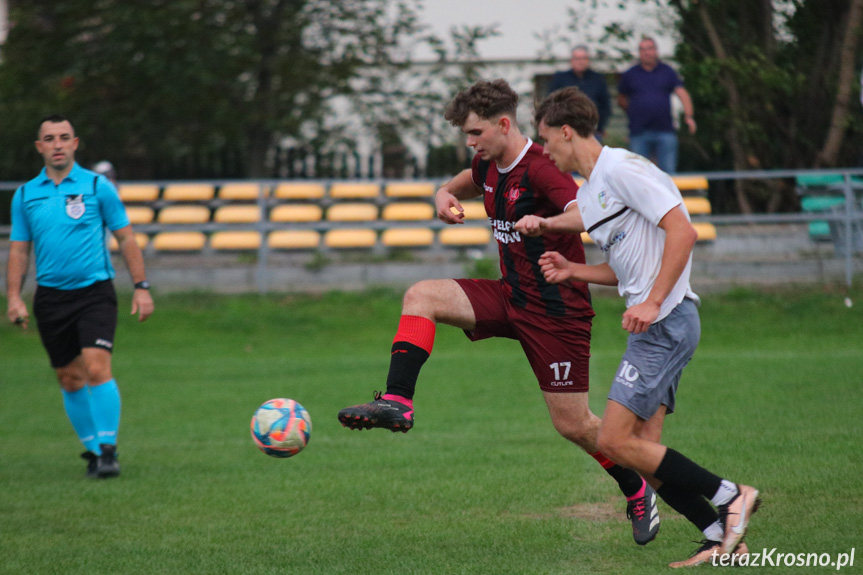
(621, 206)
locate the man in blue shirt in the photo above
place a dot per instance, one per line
(585, 79)
(63, 212)
(644, 92)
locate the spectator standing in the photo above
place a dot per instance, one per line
(592, 83)
(644, 92)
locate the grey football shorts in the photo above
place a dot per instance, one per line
(649, 372)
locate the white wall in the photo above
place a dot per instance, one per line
(4, 20)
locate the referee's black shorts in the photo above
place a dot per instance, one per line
(70, 320)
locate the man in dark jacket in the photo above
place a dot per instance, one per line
(592, 83)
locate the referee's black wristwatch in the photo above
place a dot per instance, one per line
(142, 285)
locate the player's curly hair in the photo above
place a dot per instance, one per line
(571, 107)
(487, 100)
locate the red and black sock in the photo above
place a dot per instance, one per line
(412, 346)
(628, 480)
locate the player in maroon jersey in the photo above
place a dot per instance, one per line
(552, 322)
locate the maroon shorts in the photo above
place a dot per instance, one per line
(558, 349)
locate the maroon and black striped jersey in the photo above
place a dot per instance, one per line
(533, 185)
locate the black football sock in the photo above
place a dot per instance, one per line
(628, 480)
(679, 471)
(412, 346)
(689, 504)
(405, 364)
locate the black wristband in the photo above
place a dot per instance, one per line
(142, 285)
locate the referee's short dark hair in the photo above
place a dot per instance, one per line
(54, 119)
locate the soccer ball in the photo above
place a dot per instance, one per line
(281, 427)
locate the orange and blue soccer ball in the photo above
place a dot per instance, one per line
(281, 427)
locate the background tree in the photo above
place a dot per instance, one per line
(406, 103)
(775, 84)
(157, 83)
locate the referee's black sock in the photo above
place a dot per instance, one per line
(679, 471)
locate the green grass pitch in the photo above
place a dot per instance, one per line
(482, 484)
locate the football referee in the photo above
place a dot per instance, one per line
(63, 212)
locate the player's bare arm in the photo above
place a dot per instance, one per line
(569, 221)
(461, 187)
(680, 238)
(142, 301)
(557, 269)
(19, 261)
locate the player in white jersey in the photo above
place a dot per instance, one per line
(622, 205)
(635, 214)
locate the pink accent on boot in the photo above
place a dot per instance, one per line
(640, 492)
(403, 401)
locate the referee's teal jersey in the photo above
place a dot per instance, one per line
(66, 224)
